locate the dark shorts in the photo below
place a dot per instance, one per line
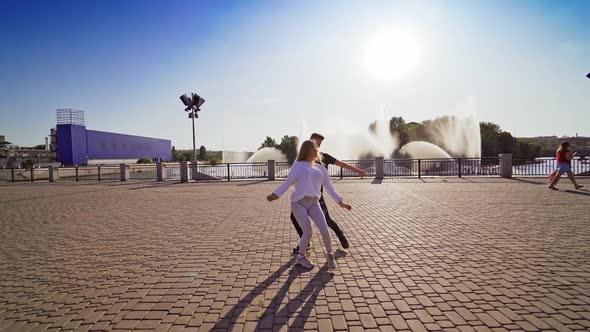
(563, 168)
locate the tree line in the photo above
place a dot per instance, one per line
(213, 157)
(288, 146)
(494, 140)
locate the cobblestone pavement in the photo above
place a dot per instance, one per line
(438, 254)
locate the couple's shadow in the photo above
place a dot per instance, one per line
(277, 313)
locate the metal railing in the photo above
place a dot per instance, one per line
(142, 172)
(400, 167)
(282, 169)
(68, 173)
(367, 165)
(15, 175)
(86, 173)
(39, 174)
(442, 167)
(171, 172)
(208, 172)
(6, 175)
(413, 167)
(109, 173)
(235, 171)
(228, 171)
(544, 166)
(248, 171)
(480, 166)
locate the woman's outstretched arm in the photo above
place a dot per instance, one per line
(293, 173)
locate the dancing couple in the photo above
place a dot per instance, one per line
(310, 174)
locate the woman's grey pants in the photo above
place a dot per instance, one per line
(303, 209)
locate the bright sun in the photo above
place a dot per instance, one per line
(391, 54)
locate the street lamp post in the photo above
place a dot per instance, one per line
(194, 144)
(193, 105)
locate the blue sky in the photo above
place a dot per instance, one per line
(273, 68)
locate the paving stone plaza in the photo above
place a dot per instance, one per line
(438, 254)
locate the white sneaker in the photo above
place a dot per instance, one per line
(331, 261)
(304, 261)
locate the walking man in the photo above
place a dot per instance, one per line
(326, 160)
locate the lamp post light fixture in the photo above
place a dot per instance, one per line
(193, 104)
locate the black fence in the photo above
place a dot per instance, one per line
(282, 169)
(143, 172)
(171, 172)
(368, 166)
(228, 172)
(442, 167)
(109, 173)
(413, 167)
(17, 175)
(544, 166)
(240, 171)
(89, 173)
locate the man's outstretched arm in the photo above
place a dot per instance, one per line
(358, 171)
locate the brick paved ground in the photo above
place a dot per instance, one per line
(444, 254)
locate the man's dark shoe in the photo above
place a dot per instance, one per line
(343, 240)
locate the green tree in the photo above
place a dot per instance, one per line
(288, 147)
(202, 153)
(506, 143)
(397, 125)
(489, 138)
(186, 155)
(269, 142)
(524, 149)
(536, 149)
(174, 154)
(416, 131)
(213, 159)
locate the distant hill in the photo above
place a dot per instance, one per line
(550, 143)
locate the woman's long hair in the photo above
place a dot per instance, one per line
(307, 148)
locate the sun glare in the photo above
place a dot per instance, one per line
(392, 54)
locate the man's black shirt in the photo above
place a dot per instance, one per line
(326, 160)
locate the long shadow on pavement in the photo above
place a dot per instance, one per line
(234, 314)
(306, 300)
(250, 183)
(579, 192)
(529, 181)
(156, 185)
(272, 319)
(94, 189)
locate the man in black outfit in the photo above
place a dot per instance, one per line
(325, 161)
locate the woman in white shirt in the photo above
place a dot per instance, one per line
(308, 179)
